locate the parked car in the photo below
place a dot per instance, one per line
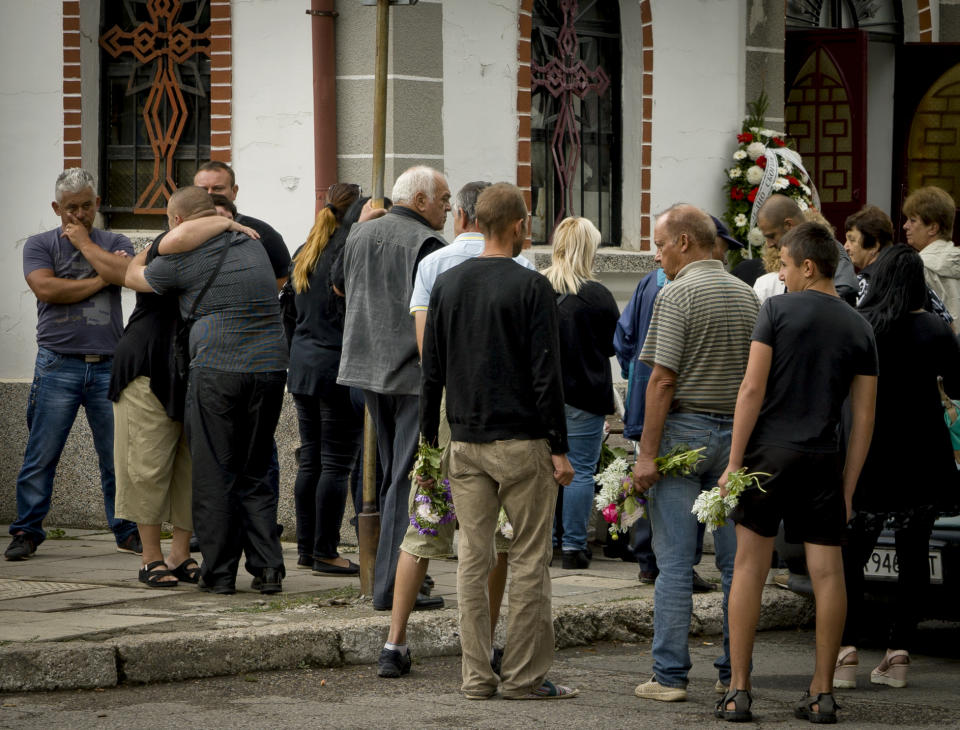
(881, 570)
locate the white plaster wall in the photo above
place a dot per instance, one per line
(479, 92)
(698, 98)
(31, 147)
(880, 83)
(273, 114)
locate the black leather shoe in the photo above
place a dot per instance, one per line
(223, 590)
(701, 585)
(426, 588)
(392, 663)
(271, 581)
(575, 560)
(427, 603)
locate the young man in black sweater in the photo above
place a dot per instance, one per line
(491, 338)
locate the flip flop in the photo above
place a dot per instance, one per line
(151, 578)
(549, 691)
(188, 571)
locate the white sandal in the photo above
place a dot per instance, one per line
(845, 672)
(892, 671)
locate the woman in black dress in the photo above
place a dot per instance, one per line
(910, 476)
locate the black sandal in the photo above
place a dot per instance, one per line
(152, 578)
(826, 712)
(739, 713)
(188, 571)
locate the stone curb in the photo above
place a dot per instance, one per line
(177, 656)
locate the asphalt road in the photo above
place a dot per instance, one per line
(353, 697)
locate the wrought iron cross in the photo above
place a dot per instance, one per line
(169, 43)
(566, 76)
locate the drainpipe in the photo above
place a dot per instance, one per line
(324, 98)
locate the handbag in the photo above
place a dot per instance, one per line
(181, 340)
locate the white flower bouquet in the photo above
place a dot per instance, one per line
(713, 508)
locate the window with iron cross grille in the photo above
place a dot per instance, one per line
(155, 105)
(575, 115)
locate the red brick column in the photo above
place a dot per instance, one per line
(221, 81)
(71, 84)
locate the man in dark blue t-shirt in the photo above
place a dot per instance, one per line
(79, 321)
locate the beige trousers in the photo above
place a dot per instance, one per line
(519, 476)
(151, 460)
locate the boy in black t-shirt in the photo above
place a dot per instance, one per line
(809, 351)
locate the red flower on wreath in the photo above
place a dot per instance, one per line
(777, 142)
(736, 194)
(793, 181)
(762, 162)
(752, 195)
(745, 138)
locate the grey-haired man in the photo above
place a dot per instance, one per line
(79, 321)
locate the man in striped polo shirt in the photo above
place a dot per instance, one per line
(697, 345)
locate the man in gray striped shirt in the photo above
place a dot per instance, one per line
(697, 345)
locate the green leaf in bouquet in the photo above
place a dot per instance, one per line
(679, 461)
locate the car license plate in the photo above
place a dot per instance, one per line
(883, 565)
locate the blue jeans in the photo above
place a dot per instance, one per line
(61, 384)
(674, 527)
(585, 438)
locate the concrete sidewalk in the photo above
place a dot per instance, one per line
(75, 616)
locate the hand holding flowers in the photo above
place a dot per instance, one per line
(714, 506)
(433, 502)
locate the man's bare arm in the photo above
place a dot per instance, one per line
(54, 290)
(660, 390)
(749, 400)
(863, 401)
(135, 279)
(419, 322)
(192, 233)
(111, 266)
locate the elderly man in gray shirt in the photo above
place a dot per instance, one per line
(238, 360)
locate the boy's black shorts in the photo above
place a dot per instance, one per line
(805, 491)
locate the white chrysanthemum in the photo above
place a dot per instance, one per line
(755, 130)
(755, 150)
(802, 204)
(754, 174)
(770, 133)
(755, 237)
(805, 189)
(739, 155)
(740, 220)
(781, 183)
(610, 481)
(735, 173)
(786, 166)
(425, 513)
(782, 170)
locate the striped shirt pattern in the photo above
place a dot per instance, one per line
(701, 329)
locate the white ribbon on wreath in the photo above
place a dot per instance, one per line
(771, 172)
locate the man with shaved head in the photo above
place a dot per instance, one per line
(697, 346)
(781, 213)
(238, 360)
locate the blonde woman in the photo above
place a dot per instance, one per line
(330, 429)
(588, 319)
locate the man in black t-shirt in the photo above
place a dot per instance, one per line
(809, 351)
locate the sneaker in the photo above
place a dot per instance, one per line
(21, 547)
(720, 688)
(392, 663)
(701, 585)
(652, 690)
(131, 544)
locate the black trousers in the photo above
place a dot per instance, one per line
(397, 420)
(230, 420)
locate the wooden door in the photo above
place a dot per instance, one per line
(825, 73)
